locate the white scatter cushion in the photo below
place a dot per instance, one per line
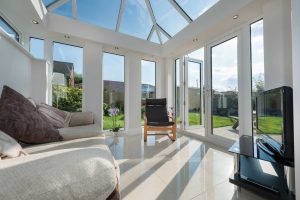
(9, 147)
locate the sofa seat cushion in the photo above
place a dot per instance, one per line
(77, 143)
(89, 173)
(71, 133)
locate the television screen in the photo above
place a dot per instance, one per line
(270, 114)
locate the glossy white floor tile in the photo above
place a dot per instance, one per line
(184, 169)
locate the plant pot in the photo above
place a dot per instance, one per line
(116, 133)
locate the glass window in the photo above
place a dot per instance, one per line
(48, 2)
(148, 80)
(164, 38)
(67, 77)
(65, 9)
(37, 47)
(195, 8)
(168, 17)
(8, 29)
(114, 89)
(136, 19)
(224, 67)
(154, 38)
(177, 90)
(100, 13)
(257, 62)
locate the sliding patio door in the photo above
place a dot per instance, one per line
(222, 93)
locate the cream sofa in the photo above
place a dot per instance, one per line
(81, 168)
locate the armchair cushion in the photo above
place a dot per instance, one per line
(156, 110)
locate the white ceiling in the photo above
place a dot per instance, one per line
(211, 24)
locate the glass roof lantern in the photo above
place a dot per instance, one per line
(154, 20)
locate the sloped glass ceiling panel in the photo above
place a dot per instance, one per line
(99, 12)
(163, 37)
(195, 8)
(65, 9)
(48, 2)
(154, 38)
(167, 16)
(136, 19)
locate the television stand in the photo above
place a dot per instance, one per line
(261, 172)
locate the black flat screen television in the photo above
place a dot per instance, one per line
(274, 121)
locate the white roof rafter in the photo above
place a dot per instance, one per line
(56, 4)
(74, 9)
(155, 25)
(120, 16)
(181, 11)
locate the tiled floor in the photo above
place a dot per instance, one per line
(225, 132)
(184, 169)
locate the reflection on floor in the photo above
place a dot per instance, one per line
(225, 132)
(184, 169)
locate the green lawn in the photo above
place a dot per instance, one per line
(194, 119)
(218, 121)
(270, 125)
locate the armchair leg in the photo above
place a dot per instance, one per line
(145, 133)
(174, 132)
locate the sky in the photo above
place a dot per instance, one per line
(68, 53)
(113, 67)
(37, 48)
(148, 72)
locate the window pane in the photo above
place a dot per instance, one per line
(48, 2)
(136, 19)
(148, 80)
(100, 13)
(168, 17)
(177, 91)
(37, 48)
(8, 29)
(163, 38)
(67, 77)
(194, 93)
(195, 8)
(65, 9)
(257, 62)
(114, 89)
(154, 38)
(225, 89)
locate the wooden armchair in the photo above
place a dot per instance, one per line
(156, 118)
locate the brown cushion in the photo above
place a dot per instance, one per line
(55, 116)
(22, 121)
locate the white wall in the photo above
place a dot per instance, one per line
(15, 66)
(296, 86)
(277, 43)
(39, 79)
(92, 80)
(20, 71)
